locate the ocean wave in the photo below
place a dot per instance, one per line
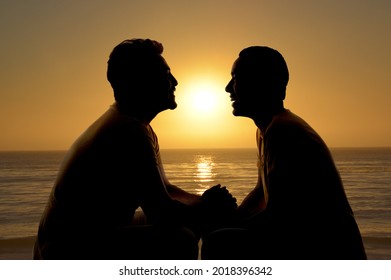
(378, 248)
(377, 240)
(17, 242)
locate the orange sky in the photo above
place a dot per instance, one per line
(53, 64)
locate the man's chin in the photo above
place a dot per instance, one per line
(172, 105)
(239, 112)
(236, 110)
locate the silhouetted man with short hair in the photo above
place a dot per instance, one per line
(298, 209)
(114, 167)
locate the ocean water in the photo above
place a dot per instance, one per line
(26, 179)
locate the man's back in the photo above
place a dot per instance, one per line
(298, 162)
(306, 203)
(100, 183)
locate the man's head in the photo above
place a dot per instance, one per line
(140, 77)
(259, 79)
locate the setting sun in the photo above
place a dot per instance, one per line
(203, 97)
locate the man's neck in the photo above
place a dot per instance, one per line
(143, 116)
(263, 120)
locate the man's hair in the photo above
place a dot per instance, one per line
(130, 57)
(268, 65)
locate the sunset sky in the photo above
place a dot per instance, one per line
(53, 57)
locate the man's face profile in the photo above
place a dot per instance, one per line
(239, 90)
(165, 85)
(159, 85)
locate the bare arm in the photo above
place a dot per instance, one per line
(140, 172)
(182, 195)
(253, 203)
(176, 192)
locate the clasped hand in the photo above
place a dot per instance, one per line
(218, 206)
(219, 199)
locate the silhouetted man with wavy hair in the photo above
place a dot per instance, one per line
(114, 168)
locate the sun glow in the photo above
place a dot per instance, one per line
(203, 118)
(203, 98)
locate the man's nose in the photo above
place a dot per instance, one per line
(228, 87)
(174, 82)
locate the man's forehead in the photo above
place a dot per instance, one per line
(235, 66)
(242, 65)
(155, 63)
(161, 63)
(239, 66)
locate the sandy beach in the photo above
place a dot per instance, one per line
(17, 249)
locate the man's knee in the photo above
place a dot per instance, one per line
(232, 244)
(180, 243)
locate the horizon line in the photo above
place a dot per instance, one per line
(206, 148)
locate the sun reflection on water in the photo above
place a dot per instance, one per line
(204, 175)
